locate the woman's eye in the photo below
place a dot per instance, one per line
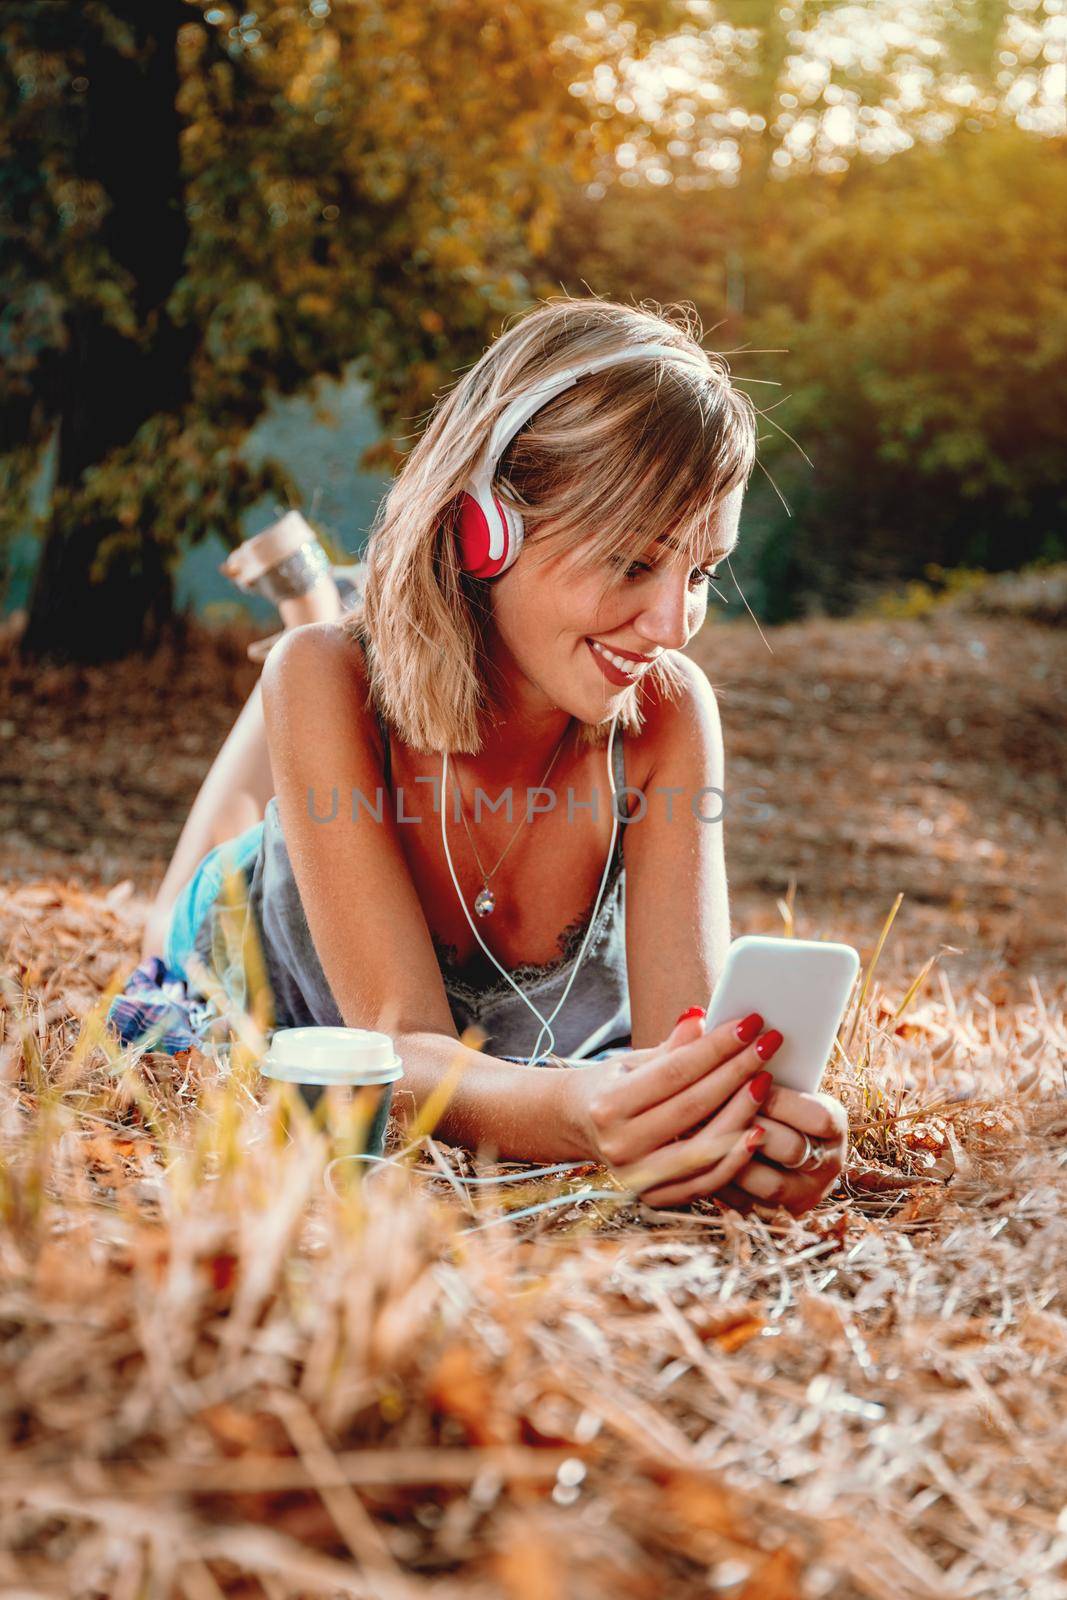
(632, 570)
(696, 577)
(702, 574)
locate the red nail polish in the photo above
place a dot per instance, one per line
(747, 1030)
(694, 1011)
(760, 1086)
(766, 1046)
(755, 1139)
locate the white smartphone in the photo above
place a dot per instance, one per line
(799, 986)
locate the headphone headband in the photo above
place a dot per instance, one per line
(519, 412)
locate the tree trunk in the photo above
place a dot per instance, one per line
(112, 385)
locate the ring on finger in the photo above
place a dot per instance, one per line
(810, 1155)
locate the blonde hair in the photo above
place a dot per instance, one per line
(603, 469)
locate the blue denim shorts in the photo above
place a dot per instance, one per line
(199, 894)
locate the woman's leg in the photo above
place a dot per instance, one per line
(231, 798)
(235, 793)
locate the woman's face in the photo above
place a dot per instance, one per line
(553, 626)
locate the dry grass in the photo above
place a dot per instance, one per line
(224, 1374)
(228, 1368)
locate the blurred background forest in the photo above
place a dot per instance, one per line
(243, 253)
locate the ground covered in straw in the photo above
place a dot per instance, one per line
(229, 1367)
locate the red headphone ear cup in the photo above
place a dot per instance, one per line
(472, 535)
(473, 539)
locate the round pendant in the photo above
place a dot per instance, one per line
(485, 902)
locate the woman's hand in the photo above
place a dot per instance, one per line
(785, 1117)
(635, 1114)
(633, 1110)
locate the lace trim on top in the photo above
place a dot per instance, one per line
(476, 980)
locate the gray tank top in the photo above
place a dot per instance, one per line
(594, 1017)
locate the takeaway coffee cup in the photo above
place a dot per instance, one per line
(354, 1067)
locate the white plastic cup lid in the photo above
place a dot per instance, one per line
(331, 1055)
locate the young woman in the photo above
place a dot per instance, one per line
(380, 878)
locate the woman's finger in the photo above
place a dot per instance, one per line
(680, 1158)
(797, 1191)
(782, 1143)
(669, 1071)
(739, 1198)
(690, 1026)
(818, 1114)
(683, 1115)
(715, 1096)
(708, 1181)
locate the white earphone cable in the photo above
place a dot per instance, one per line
(546, 1023)
(621, 1195)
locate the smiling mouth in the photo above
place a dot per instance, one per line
(617, 667)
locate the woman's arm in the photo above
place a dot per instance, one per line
(520, 1113)
(678, 934)
(677, 912)
(235, 793)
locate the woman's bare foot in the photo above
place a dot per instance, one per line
(287, 564)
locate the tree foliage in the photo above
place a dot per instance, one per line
(923, 303)
(202, 208)
(362, 184)
(904, 331)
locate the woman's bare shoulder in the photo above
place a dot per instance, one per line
(669, 716)
(319, 668)
(314, 648)
(317, 640)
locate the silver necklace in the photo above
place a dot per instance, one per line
(485, 899)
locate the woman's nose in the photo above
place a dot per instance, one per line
(664, 620)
